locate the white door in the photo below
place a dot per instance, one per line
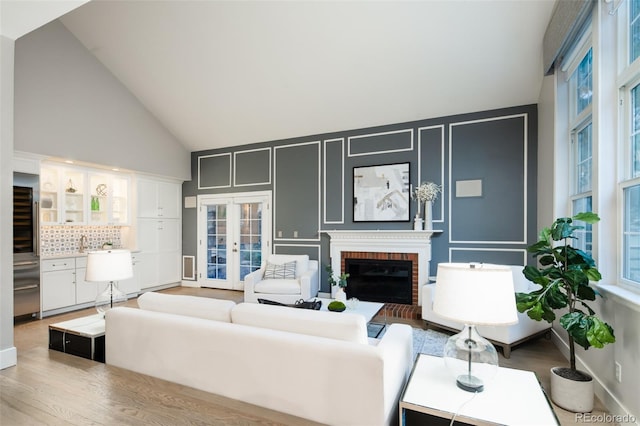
(234, 233)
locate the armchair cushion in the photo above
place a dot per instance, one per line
(285, 271)
(302, 261)
(276, 286)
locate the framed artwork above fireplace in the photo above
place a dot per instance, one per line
(381, 193)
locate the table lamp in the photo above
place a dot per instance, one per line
(111, 266)
(473, 294)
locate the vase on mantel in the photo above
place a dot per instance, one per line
(417, 223)
(428, 215)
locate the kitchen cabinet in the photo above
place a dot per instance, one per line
(160, 247)
(81, 196)
(131, 286)
(109, 199)
(159, 232)
(62, 196)
(64, 287)
(159, 199)
(58, 283)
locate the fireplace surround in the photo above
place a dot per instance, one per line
(392, 245)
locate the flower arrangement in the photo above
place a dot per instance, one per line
(427, 191)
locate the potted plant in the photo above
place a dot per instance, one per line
(564, 277)
(341, 282)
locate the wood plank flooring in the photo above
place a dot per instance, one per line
(53, 388)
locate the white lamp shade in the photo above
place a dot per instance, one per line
(475, 293)
(108, 265)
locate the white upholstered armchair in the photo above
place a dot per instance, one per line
(283, 278)
(504, 336)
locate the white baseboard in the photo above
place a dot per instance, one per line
(189, 283)
(8, 357)
(613, 404)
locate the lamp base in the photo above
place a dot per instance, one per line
(470, 383)
(110, 298)
(471, 359)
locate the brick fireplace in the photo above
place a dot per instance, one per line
(387, 245)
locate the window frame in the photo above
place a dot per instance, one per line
(628, 80)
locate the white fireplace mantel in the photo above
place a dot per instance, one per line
(390, 241)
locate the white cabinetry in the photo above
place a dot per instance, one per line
(62, 196)
(131, 286)
(159, 232)
(109, 199)
(65, 289)
(79, 196)
(159, 198)
(58, 283)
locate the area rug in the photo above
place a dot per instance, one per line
(428, 342)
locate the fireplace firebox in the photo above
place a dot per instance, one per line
(376, 280)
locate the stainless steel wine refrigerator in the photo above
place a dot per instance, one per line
(26, 245)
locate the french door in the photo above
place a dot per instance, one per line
(234, 234)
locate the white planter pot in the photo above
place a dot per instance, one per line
(341, 295)
(572, 395)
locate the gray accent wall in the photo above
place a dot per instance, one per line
(311, 179)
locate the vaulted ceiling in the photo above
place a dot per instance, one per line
(223, 73)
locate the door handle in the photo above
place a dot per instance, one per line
(27, 287)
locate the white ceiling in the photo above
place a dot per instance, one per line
(223, 73)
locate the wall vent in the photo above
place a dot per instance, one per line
(189, 268)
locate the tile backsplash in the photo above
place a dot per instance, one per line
(62, 240)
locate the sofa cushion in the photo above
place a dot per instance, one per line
(302, 261)
(191, 306)
(333, 325)
(277, 287)
(284, 271)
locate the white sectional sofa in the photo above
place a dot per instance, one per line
(316, 365)
(504, 336)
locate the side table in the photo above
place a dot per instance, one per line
(82, 337)
(513, 397)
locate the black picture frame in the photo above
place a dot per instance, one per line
(381, 193)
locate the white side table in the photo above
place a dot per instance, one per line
(513, 397)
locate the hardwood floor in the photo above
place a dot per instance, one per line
(53, 388)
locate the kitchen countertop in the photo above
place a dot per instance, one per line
(77, 254)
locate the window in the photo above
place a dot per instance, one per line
(630, 148)
(634, 30)
(581, 136)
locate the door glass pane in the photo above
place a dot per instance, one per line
(250, 238)
(217, 242)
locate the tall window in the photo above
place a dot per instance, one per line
(630, 184)
(581, 95)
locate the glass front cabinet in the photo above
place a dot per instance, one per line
(109, 199)
(78, 196)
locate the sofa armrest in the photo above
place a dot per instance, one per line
(309, 286)
(397, 348)
(250, 281)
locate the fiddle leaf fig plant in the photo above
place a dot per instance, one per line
(564, 276)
